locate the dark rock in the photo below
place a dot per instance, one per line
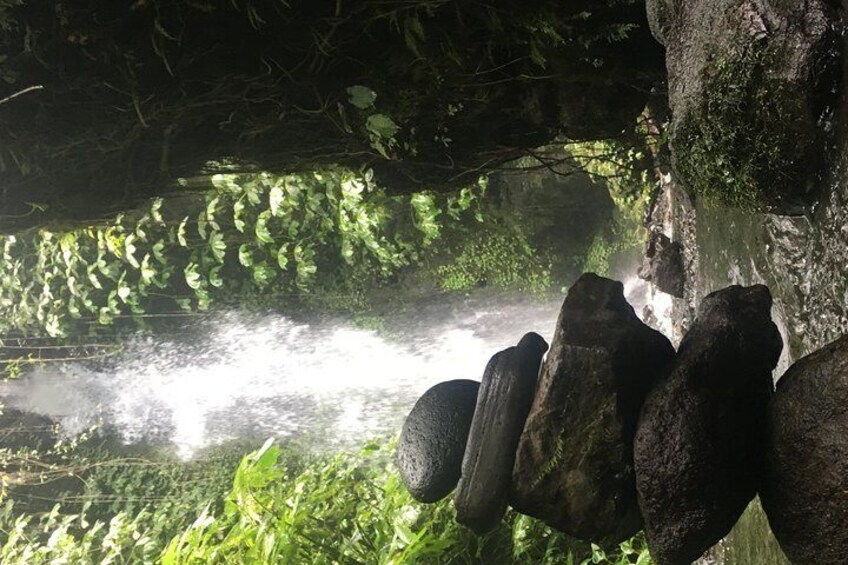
(663, 264)
(699, 443)
(574, 465)
(432, 442)
(506, 393)
(805, 491)
(750, 86)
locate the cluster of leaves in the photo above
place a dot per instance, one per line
(282, 509)
(274, 234)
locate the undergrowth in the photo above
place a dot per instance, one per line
(282, 508)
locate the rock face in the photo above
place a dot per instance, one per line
(506, 393)
(699, 442)
(805, 492)
(432, 442)
(663, 265)
(574, 466)
(749, 82)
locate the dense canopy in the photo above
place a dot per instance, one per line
(428, 93)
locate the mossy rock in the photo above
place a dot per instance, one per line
(752, 89)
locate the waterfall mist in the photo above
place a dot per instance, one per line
(232, 375)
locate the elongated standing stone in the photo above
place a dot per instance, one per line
(504, 399)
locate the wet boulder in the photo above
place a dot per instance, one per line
(432, 442)
(805, 491)
(699, 443)
(663, 264)
(751, 87)
(506, 393)
(574, 465)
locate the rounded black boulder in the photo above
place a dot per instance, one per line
(699, 444)
(432, 442)
(805, 491)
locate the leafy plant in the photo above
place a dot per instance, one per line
(288, 234)
(283, 508)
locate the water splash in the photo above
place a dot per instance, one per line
(241, 376)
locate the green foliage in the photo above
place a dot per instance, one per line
(742, 146)
(504, 259)
(282, 509)
(248, 234)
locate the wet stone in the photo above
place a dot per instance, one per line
(805, 491)
(663, 265)
(574, 465)
(432, 442)
(700, 440)
(506, 393)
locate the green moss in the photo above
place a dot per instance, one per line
(750, 143)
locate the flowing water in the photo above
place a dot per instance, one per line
(232, 375)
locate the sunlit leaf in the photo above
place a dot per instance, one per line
(215, 277)
(262, 232)
(181, 232)
(275, 198)
(245, 255)
(192, 276)
(282, 256)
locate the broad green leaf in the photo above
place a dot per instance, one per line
(181, 232)
(262, 232)
(238, 209)
(218, 246)
(215, 277)
(245, 255)
(382, 126)
(282, 256)
(275, 198)
(156, 210)
(263, 273)
(147, 272)
(192, 276)
(129, 251)
(361, 96)
(201, 224)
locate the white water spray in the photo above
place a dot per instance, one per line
(260, 376)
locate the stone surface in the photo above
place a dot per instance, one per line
(699, 443)
(805, 492)
(506, 393)
(663, 264)
(574, 466)
(750, 84)
(432, 442)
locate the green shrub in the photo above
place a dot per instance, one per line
(282, 508)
